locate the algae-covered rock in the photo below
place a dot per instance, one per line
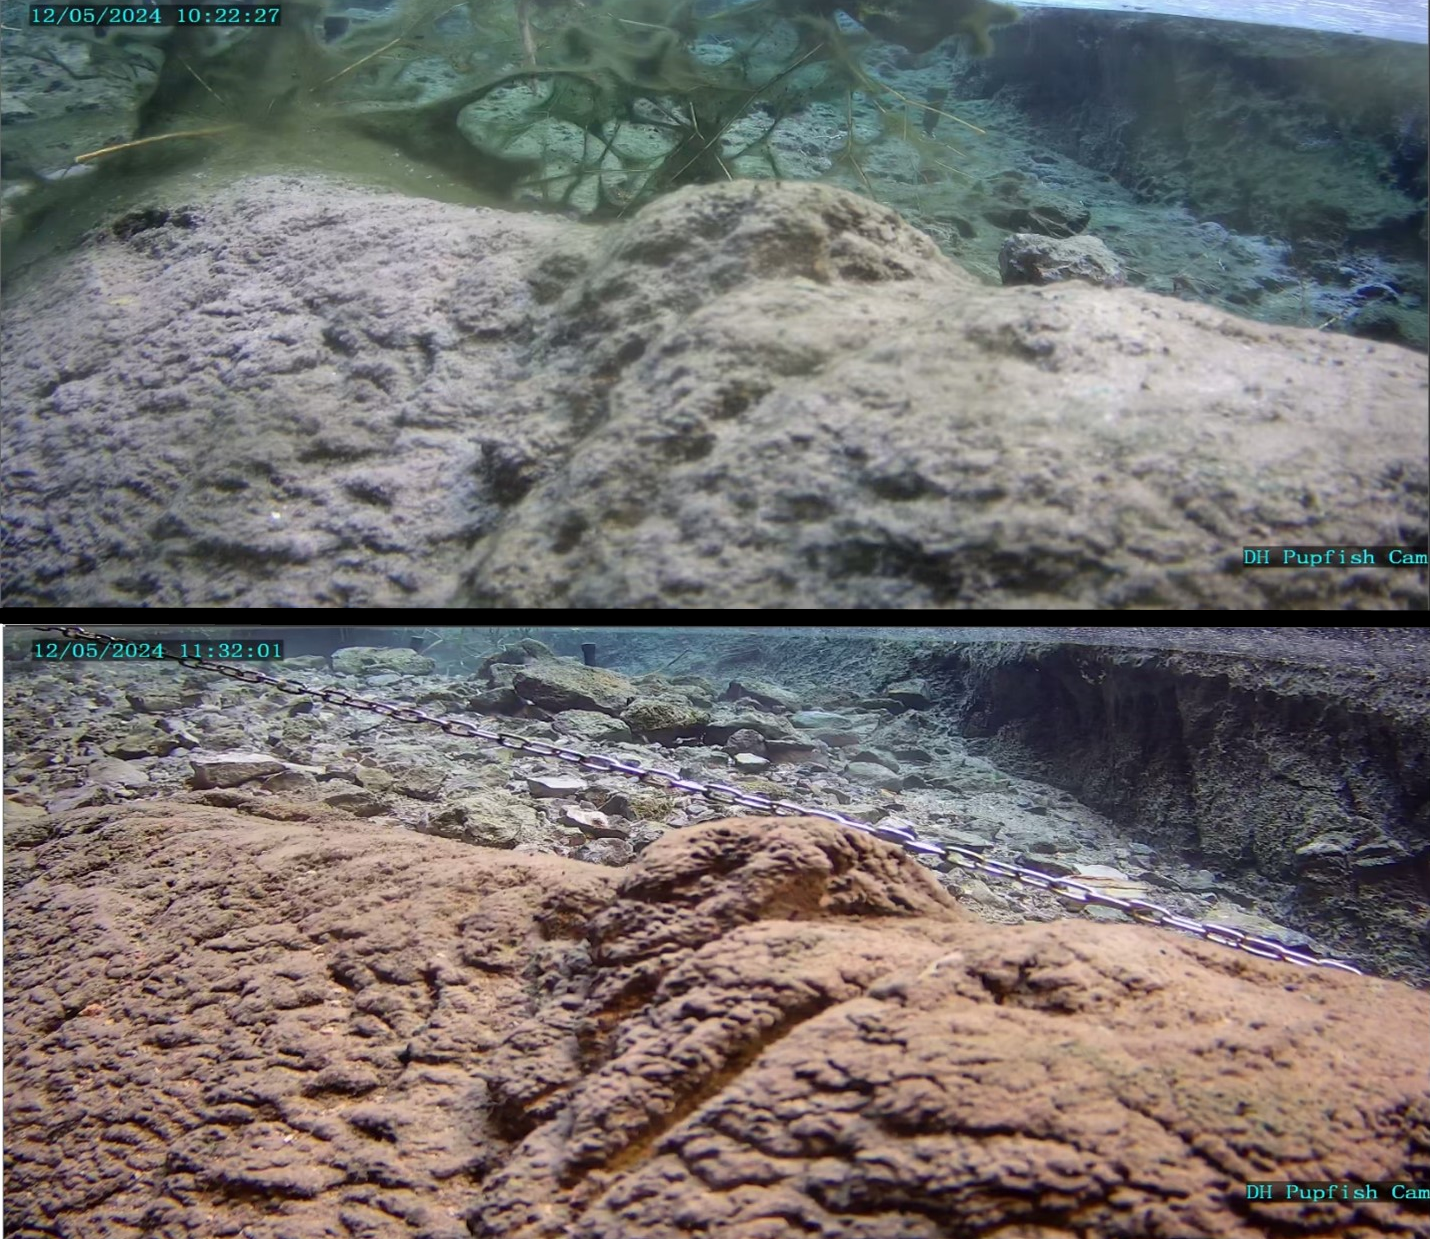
(370, 661)
(661, 714)
(567, 686)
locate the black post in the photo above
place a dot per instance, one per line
(588, 652)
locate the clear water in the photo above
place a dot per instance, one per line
(1275, 172)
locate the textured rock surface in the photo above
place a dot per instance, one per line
(296, 1025)
(1295, 755)
(750, 395)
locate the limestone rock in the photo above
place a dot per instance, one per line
(662, 716)
(605, 851)
(769, 1027)
(769, 696)
(557, 686)
(591, 726)
(594, 823)
(830, 414)
(1027, 258)
(119, 772)
(159, 701)
(421, 782)
(747, 740)
(550, 786)
(874, 775)
(912, 694)
(811, 720)
(491, 819)
(146, 737)
(358, 803)
(232, 769)
(726, 720)
(292, 782)
(378, 661)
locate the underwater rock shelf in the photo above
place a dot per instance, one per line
(377, 1032)
(746, 395)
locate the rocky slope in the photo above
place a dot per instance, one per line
(270, 1019)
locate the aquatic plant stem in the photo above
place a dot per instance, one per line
(162, 137)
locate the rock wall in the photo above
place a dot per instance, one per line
(1302, 758)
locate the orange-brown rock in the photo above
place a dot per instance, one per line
(273, 1022)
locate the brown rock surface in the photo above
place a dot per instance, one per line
(299, 1024)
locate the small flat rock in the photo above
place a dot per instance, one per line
(594, 823)
(115, 770)
(549, 786)
(769, 696)
(231, 769)
(913, 694)
(812, 720)
(1106, 873)
(873, 775)
(613, 852)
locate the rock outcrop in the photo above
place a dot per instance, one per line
(1294, 755)
(749, 395)
(274, 1020)
(298, 1025)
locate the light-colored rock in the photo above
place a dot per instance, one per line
(373, 778)
(550, 786)
(663, 716)
(372, 662)
(25, 825)
(490, 819)
(421, 782)
(167, 700)
(607, 851)
(726, 720)
(594, 823)
(146, 737)
(556, 686)
(120, 773)
(796, 751)
(358, 803)
(1027, 258)
(769, 695)
(1106, 873)
(829, 414)
(878, 757)
(78, 798)
(810, 720)
(746, 740)
(293, 782)
(232, 769)
(591, 726)
(872, 775)
(961, 838)
(913, 694)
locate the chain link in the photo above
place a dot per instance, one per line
(944, 855)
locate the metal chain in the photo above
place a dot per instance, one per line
(943, 855)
